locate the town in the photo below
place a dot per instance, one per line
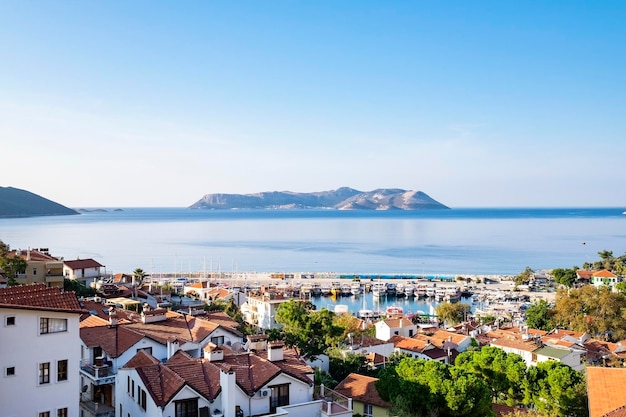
(95, 345)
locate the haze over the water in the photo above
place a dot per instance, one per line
(154, 103)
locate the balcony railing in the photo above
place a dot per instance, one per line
(95, 409)
(98, 374)
(336, 404)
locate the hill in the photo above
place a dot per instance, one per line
(20, 203)
(341, 199)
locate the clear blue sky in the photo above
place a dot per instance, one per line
(156, 103)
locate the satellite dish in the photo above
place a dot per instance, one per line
(85, 388)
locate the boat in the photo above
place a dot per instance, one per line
(452, 294)
(409, 290)
(394, 310)
(316, 290)
(391, 289)
(306, 290)
(341, 309)
(326, 289)
(379, 289)
(355, 288)
(335, 289)
(400, 290)
(420, 290)
(430, 291)
(346, 290)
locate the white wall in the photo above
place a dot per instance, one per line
(22, 347)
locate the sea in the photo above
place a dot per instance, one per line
(459, 241)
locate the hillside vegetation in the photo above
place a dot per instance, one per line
(20, 203)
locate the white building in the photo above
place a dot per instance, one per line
(260, 310)
(395, 326)
(84, 270)
(40, 345)
(223, 383)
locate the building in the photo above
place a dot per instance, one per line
(224, 383)
(40, 345)
(605, 390)
(421, 348)
(259, 310)
(395, 326)
(41, 268)
(605, 277)
(365, 398)
(84, 270)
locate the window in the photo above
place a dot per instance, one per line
(52, 325)
(143, 400)
(62, 370)
(10, 371)
(368, 410)
(280, 397)
(44, 373)
(9, 321)
(217, 340)
(34, 271)
(62, 412)
(146, 349)
(44, 414)
(186, 408)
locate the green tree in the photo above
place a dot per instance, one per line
(524, 276)
(453, 313)
(78, 287)
(139, 275)
(502, 372)
(565, 277)
(539, 315)
(12, 266)
(342, 365)
(556, 390)
(417, 387)
(307, 330)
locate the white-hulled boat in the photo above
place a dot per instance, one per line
(355, 288)
(346, 290)
(379, 289)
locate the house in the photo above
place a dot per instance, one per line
(365, 398)
(259, 310)
(605, 277)
(41, 268)
(40, 345)
(105, 347)
(222, 383)
(420, 347)
(109, 344)
(84, 270)
(445, 340)
(395, 326)
(605, 390)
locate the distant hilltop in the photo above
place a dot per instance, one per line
(20, 203)
(344, 198)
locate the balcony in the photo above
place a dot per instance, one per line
(95, 409)
(334, 404)
(98, 374)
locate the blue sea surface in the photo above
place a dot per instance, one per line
(456, 241)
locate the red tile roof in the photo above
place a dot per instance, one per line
(82, 263)
(604, 274)
(605, 389)
(361, 388)
(114, 340)
(39, 297)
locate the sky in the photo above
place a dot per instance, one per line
(157, 103)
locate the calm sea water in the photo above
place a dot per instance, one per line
(457, 241)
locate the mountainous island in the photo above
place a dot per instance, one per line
(20, 203)
(344, 198)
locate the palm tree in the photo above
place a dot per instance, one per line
(138, 276)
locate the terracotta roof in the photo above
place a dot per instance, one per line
(82, 263)
(407, 343)
(361, 388)
(604, 274)
(440, 337)
(33, 254)
(514, 343)
(114, 340)
(584, 274)
(619, 412)
(39, 297)
(175, 327)
(201, 375)
(398, 322)
(605, 389)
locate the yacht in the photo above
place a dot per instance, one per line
(379, 289)
(409, 290)
(355, 288)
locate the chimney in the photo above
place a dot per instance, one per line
(213, 353)
(112, 316)
(275, 351)
(228, 384)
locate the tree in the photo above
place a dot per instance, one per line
(453, 313)
(524, 276)
(416, 387)
(139, 275)
(565, 277)
(556, 390)
(307, 330)
(539, 315)
(78, 287)
(597, 311)
(502, 372)
(12, 266)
